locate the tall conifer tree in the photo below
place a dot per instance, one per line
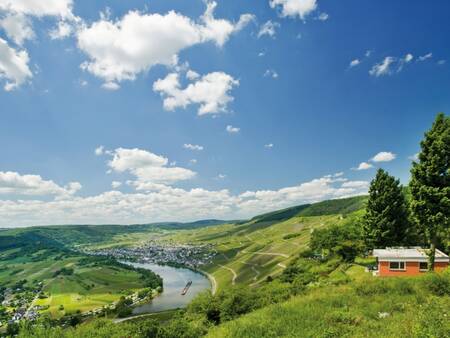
(430, 184)
(386, 222)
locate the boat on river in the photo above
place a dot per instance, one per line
(186, 288)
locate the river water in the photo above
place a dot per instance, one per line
(174, 280)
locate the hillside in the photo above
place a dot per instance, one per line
(249, 252)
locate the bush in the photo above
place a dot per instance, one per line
(438, 283)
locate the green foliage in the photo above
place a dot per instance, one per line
(395, 307)
(342, 240)
(386, 219)
(430, 184)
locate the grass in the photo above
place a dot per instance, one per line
(365, 307)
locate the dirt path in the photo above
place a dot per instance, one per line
(213, 281)
(233, 281)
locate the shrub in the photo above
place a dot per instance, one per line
(438, 283)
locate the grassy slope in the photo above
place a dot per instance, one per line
(368, 307)
(250, 252)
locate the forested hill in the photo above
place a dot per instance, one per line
(330, 207)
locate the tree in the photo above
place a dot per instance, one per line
(430, 184)
(386, 221)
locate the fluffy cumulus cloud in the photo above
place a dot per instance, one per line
(151, 171)
(211, 92)
(17, 27)
(170, 203)
(39, 8)
(295, 8)
(13, 183)
(120, 50)
(269, 28)
(16, 21)
(384, 156)
(363, 166)
(14, 66)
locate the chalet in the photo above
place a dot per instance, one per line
(407, 261)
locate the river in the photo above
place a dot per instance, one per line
(174, 280)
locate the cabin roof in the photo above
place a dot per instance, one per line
(410, 254)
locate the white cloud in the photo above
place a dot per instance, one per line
(165, 203)
(13, 66)
(233, 130)
(211, 92)
(192, 147)
(191, 75)
(100, 150)
(354, 63)
(323, 16)
(17, 27)
(116, 184)
(294, 8)
(363, 166)
(148, 168)
(271, 73)
(63, 30)
(408, 57)
(39, 8)
(383, 68)
(384, 156)
(260, 54)
(120, 50)
(268, 146)
(112, 86)
(13, 183)
(221, 177)
(441, 62)
(269, 28)
(356, 184)
(425, 57)
(368, 53)
(193, 161)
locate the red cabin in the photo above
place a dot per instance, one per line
(407, 261)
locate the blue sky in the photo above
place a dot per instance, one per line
(200, 109)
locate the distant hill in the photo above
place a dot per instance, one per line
(342, 206)
(73, 235)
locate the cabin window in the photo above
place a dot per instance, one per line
(397, 266)
(423, 266)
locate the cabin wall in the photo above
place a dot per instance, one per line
(412, 269)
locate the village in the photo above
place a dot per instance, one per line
(168, 253)
(17, 303)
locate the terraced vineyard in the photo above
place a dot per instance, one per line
(249, 253)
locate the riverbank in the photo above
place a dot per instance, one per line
(174, 281)
(212, 280)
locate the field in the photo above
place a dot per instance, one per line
(87, 286)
